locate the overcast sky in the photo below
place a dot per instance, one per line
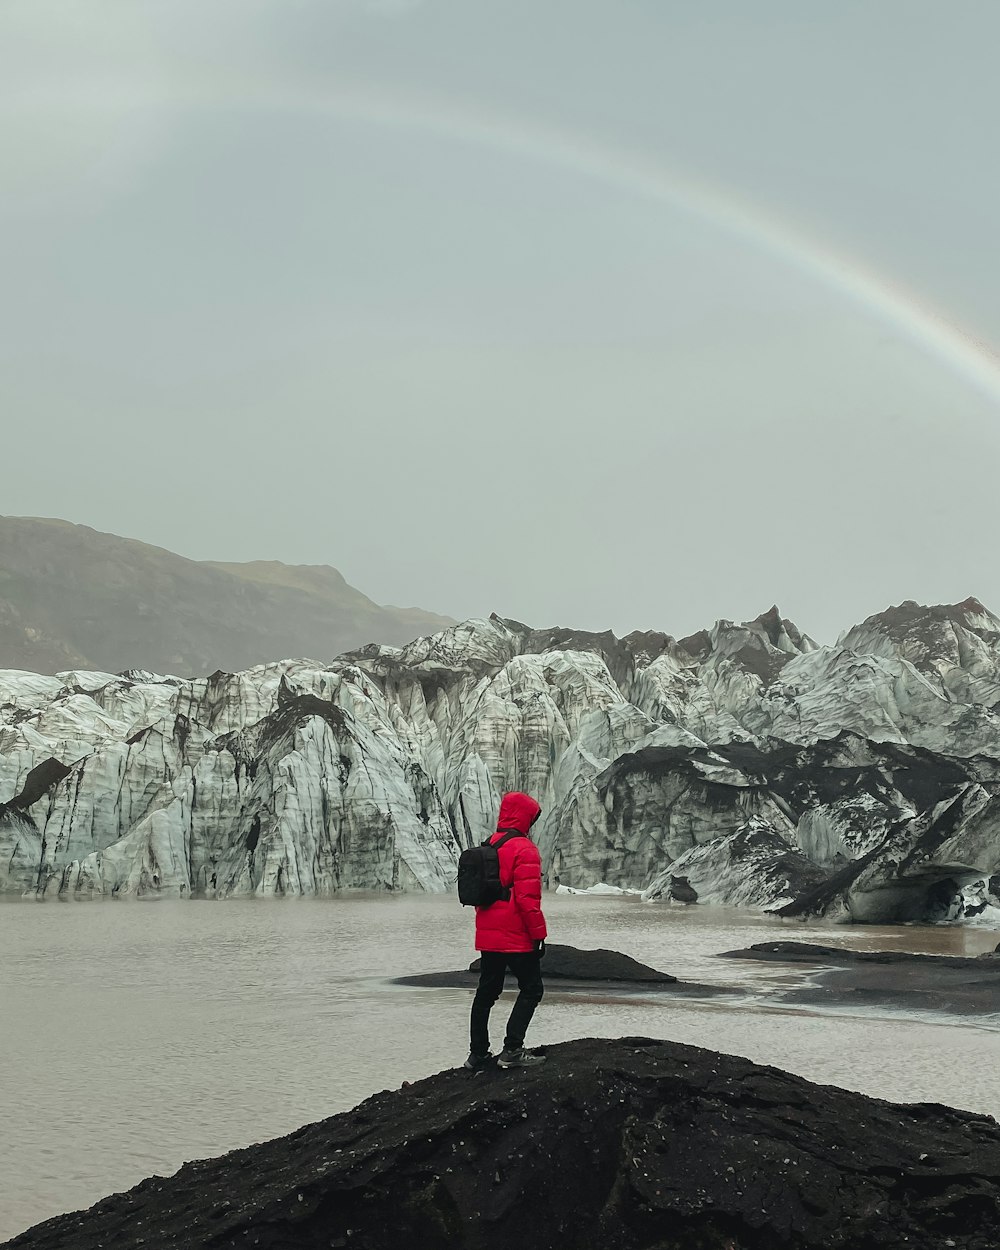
(604, 313)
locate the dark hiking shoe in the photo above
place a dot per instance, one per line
(520, 1058)
(475, 1062)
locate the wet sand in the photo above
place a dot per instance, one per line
(951, 984)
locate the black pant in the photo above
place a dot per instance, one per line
(527, 967)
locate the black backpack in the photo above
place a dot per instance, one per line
(479, 873)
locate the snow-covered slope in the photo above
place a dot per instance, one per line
(745, 760)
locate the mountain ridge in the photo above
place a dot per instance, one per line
(72, 597)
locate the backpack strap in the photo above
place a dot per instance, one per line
(508, 834)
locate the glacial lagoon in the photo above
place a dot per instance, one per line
(136, 1036)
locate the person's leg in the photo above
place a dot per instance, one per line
(528, 970)
(492, 969)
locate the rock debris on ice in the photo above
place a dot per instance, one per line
(744, 764)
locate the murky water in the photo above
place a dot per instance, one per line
(136, 1036)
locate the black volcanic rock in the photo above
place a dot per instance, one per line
(597, 965)
(682, 891)
(568, 967)
(633, 1143)
(813, 953)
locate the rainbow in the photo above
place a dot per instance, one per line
(634, 173)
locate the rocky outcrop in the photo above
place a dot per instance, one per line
(596, 965)
(568, 967)
(742, 765)
(645, 1145)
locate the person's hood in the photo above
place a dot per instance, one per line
(518, 811)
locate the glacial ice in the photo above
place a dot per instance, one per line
(757, 765)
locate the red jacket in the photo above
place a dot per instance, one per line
(514, 925)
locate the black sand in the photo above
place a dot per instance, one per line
(950, 984)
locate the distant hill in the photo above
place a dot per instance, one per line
(72, 597)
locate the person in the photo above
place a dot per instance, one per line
(510, 933)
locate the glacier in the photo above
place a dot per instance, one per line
(745, 764)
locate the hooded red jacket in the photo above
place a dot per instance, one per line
(515, 924)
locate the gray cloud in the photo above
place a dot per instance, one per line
(474, 379)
